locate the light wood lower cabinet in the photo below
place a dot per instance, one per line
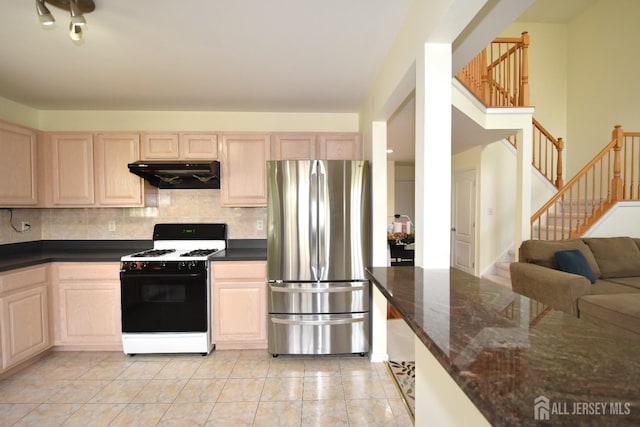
(86, 304)
(24, 315)
(239, 304)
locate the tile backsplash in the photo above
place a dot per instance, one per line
(132, 223)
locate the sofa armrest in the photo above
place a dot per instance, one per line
(554, 288)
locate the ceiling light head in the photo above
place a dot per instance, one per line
(75, 32)
(77, 18)
(45, 16)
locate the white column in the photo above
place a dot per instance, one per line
(433, 156)
(379, 194)
(523, 184)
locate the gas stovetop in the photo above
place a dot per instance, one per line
(183, 242)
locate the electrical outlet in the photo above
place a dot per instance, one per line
(25, 226)
(259, 225)
(112, 225)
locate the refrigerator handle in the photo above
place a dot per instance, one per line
(313, 220)
(322, 220)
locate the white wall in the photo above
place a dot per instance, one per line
(603, 83)
(621, 221)
(547, 72)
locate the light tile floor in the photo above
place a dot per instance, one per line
(225, 388)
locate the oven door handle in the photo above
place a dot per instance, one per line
(161, 275)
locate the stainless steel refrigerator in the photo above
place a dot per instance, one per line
(317, 249)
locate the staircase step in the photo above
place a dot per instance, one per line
(498, 280)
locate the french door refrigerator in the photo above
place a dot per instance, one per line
(317, 249)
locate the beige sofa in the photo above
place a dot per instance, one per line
(611, 263)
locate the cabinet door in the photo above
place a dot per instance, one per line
(72, 169)
(244, 169)
(199, 146)
(87, 304)
(115, 185)
(294, 147)
(25, 327)
(340, 146)
(18, 170)
(239, 304)
(159, 146)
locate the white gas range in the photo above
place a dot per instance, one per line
(165, 291)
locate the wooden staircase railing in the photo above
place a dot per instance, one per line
(612, 176)
(499, 75)
(547, 154)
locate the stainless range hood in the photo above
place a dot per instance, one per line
(178, 174)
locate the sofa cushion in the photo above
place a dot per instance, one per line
(542, 252)
(615, 312)
(616, 256)
(632, 282)
(573, 261)
(606, 286)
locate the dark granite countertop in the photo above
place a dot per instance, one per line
(19, 255)
(505, 350)
(244, 250)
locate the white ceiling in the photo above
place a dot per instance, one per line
(224, 55)
(218, 55)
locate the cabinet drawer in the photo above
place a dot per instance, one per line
(22, 278)
(240, 270)
(88, 271)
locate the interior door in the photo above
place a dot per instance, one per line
(463, 221)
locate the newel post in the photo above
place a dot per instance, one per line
(524, 83)
(484, 78)
(616, 183)
(559, 180)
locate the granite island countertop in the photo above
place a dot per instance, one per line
(27, 254)
(505, 350)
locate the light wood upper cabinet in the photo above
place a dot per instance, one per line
(244, 169)
(18, 166)
(199, 146)
(71, 166)
(312, 146)
(239, 297)
(340, 146)
(179, 146)
(115, 185)
(294, 146)
(24, 315)
(81, 169)
(86, 305)
(160, 146)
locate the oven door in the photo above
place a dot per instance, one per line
(164, 302)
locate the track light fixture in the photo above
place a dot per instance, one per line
(76, 8)
(44, 14)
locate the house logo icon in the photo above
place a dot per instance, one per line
(541, 408)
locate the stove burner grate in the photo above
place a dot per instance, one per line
(153, 253)
(200, 252)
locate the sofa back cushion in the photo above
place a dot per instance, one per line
(616, 256)
(542, 252)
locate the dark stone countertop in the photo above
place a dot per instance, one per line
(505, 350)
(19, 255)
